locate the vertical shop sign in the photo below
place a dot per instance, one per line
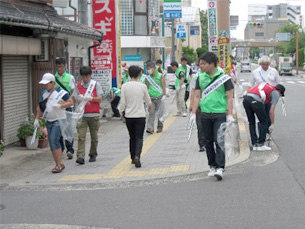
(212, 25)
(104, 63)
(224, 50)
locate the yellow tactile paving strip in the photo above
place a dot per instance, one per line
(122, 169)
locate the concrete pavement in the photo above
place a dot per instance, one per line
(166, 154)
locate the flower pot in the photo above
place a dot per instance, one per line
(43, 143)
(22, 143)
(28, 140)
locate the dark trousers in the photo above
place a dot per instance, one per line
(199, 128)
(267, 110)
(186, 95)
(253, 108)
(211, 125)
(135, 128)
(114, 105)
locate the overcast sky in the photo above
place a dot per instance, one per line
(240, 7)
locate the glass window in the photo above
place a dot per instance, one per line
(126, 17)
(141, 6)
(140, 25)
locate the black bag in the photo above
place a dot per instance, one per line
(43, 104)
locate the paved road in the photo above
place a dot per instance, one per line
(265, 191)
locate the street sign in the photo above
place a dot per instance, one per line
(181, 31)
(195, 30)
(282, 36)
(212, 25)
(172, 9)
(133, 57)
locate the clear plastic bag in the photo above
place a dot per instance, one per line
(227, 139)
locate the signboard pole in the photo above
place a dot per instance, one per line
(173, 56)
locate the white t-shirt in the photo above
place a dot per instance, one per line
(270, 76)
(133, 96)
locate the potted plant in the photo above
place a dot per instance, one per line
(43, 139)
(26, 131)
(1, 147)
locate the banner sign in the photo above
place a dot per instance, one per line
(172, 9)
(224, 50)
(104, 64)
(212, 25)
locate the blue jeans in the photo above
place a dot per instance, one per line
(54, 135)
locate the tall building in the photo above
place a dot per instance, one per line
(265, 20)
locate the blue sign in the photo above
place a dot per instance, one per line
(133, 57)
(172, 9)
(181, 31)
(195, 30)
(282, 36)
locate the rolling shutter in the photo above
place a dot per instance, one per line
(15, 95)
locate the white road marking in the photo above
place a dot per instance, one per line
(292, 82)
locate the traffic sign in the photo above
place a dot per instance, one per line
(282, 36)
(181, 31)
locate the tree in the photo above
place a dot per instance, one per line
(204, 30)
(254, 51)
(189, 54)
(202, 50)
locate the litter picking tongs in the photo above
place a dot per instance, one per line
(190, 129)
(34, 135)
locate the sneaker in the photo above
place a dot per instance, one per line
(263, 148)
(219, 173)
(92, 159)
(137, 162)
(132, 161)
(201, 149)
(254, 147)
(80, 161)
(149, 131)
(69, 155)
(212, 172)
(184, 114)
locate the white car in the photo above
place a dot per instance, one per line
(245, 67)
(170, 77)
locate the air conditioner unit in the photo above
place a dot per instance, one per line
(60, 3)
(44, 56)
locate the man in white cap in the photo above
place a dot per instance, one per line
(53, 103)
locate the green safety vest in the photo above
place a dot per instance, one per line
(216, 102)
(180, 69)
(140, 80)
(126, 78)
(116, 91)
(65, 81)
(153, 92)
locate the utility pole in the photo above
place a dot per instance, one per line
(173, 57)
(83, 12)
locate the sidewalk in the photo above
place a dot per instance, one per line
(164, 154)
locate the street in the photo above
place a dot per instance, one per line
(267, 190)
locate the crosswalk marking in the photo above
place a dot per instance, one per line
(292, 82)
(301, 81)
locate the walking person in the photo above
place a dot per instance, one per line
(180, 88)
(200, 135)
(91, 91)
(254, 100)
(264, 74)
(214, 95)
(133, 96)
(53, 101)
(188, 76)
(157, 92)
(66, 82)
(115, 96)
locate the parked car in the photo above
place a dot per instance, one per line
(170, 77)
(245, 67)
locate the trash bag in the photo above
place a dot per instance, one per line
(227, 139)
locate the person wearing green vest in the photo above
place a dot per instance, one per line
(66, 82)
(142, 78)
(180, 88)
(126, 76)
(157, 91)
(198, 121)
(216, 106)
(188, 76)
(116, 96)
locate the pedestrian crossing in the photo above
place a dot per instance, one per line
(245, 82)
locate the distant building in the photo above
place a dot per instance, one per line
(265, 20)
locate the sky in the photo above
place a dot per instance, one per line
(240, 7)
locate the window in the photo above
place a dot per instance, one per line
(140, 18)
(126, 17)
(259, 34)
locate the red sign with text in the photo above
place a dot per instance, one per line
(104, 63)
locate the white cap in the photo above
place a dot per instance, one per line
(47, 78)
